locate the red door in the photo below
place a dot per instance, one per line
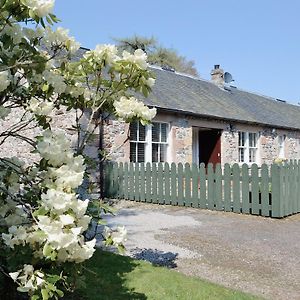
(210, 146)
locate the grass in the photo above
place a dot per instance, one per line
(115, 277)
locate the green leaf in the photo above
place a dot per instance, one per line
(45, 294)
(45, 87)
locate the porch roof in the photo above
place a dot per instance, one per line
(186, 94)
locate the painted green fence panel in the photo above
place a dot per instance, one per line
(126, 179)
(245, 189)
(298, 188)
(236, 194)
(270, 191)
(136, 182)
(195, 185)
(121, 181)
(160, 183)
(174, 199)
(276, 185)
(187, 184)
(180, 184)
(202, 175)
(218, 188)
(294, 188)
(148, 186)
(167, 178)
(255, 190)
(131, 181)
(142, 182)
(210, 186)
(286, 196)
(154, 184)
(265, 195)
(227, 188)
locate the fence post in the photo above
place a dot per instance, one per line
(236, 195)
(245, 189)
(276, 190)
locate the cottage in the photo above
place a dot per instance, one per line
(207, 121)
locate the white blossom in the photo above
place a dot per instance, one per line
(128, 108)
(139, 58)
(40, 8)
(40, 107)
(4, 80)
(106, 52)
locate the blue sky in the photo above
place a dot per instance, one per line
(258, 42)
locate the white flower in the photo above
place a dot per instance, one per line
(40, 107)
(127, 108)
(150, 82)
(106, 52)
(60, 37)
(4, 80)
(56, 80)
(56, 148)
(66, 219)
(40, 8)
(57, 200)
(14, 275)
(139, 58)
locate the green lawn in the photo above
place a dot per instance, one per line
(116, 277)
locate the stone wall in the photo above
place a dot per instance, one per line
(116, 140)
(117, 146)
(181, 135)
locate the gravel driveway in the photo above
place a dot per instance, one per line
(253, 254)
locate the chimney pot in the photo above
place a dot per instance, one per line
(217, 76)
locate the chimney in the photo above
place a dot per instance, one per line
(217, 76)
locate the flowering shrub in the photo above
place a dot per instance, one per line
(44, 218)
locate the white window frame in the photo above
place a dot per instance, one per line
(148, 142)
(247, 147)
(281, 146)
(137, 141)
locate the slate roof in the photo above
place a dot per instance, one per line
(190, 95)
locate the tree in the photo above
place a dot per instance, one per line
(44, 219)
(157, 54)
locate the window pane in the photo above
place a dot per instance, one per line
(163, 152)
(155, 152)
(252, 155)
(155, 132)
(133, 127)
(142, 132)
(163, 134)
(241, 155)
(141, 152)
(133, 152)
(252, 139)
(241, 139)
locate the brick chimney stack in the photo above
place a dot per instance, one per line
(217, 76)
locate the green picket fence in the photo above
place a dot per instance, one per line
(268, 191)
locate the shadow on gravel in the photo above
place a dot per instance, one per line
(156, 257)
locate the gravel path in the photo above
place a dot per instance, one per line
(254, 254)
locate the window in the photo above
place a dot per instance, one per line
(247, 147)
(137, 142)
(281, 143)
(149, 143)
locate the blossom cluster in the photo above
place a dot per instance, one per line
(109, 54)
(27, 278)
(60, 220)
(130, 108)
(39, 8)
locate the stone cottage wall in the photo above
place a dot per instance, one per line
(21, 149)
(181, 143)
(116, 140)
